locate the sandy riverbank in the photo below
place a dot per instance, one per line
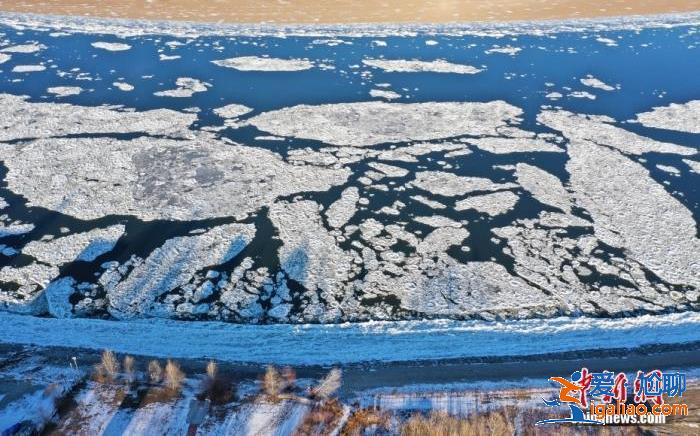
(349, 11)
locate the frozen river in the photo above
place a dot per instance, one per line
(343, 174)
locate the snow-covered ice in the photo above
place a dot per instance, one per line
(416, 66)
(255, 63)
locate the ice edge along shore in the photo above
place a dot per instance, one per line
(351, 343)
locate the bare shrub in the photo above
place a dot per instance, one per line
(272, 383)
(329, 385)
(173, 376)
(155, 372)
(129, 365)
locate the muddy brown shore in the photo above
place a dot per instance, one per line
(349, 11)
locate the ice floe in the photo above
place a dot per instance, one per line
(383, 93)
(683, 117)
(582, 94)
(508, 50)
(78, 246)
(693, 164)
(493, 204)
(164, 57)
(310, 256)
(111, 46)
(28, 68)
(172, 266)
(416, 66)
(369, 123)
(600, 129)
(343, 209)
(24, 120)
(15, 229)
(545, 187)
(4, 58)
(515, 145)
(123, 86)
(255, 63)
(592, 82)
(156, 178)
(428, 202)
(186, 87)
(630, 210)
(65, 91)
(452, 185)
(389, 170)
(23, 48)
(232, 111)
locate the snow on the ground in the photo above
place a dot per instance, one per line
(345, 343)
(48, 383)
(96, 408)
(257, 418)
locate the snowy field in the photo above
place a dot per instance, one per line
(527, 188)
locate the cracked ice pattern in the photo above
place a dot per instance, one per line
(274, 190)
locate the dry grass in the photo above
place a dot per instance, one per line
(212, 370)
(216, 388)
(496, 423)
(129, 365)
(173, 376)
(108, 368)
(110, 363)
(155, 372)
(272, 383)
(329, 385)
(366, 419)
(289, 377)
(322, 419)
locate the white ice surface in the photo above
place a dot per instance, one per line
(346, 343)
